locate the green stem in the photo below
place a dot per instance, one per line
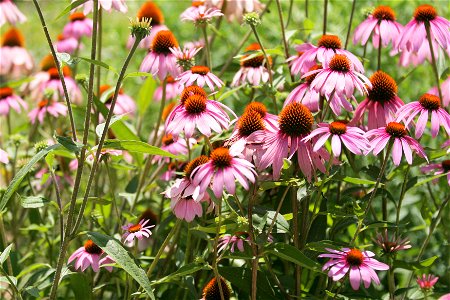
(433, 61)
(252, 242)
(14, 289)
(306, 9)
(187, 253)
(347, 38)
(112, 188)
(325, 15)
(283, 34)
(391, 283)
(208, 51)
(295, 234)
(402, 196)
(216, 243)
(379, 54)
(59, 202)
(280, 204)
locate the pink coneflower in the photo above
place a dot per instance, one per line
(90, 255)
(171, 90)
(78, 26)
(253, 68)
(237, 239)
(10, 13)
(224, 167)
(47, 106)
(272, 146)
(381, 103)
(304, 94)
(212, 289)
(15, 60)
(352, 138)
(359, 265)
(414, 35)
(426, 282)
(390, 246)
(337, 81)
(236, 9)
(174, 146)
(197, 112)
(427, 105)
(200, 75)
(200, 14)
(104, 153)
(10, 100)
(4, 157)
(160, 61)
(185, 57)
(139, 231)
(438, 168)
(67, 44)
(54, 83)
(108, 5)
(124, 104)
(445, 87)
(397, 133)
(328, 46)
(381, 22)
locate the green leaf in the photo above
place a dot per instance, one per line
(14, 185)
(138, 74)
(414, 266)
(292, 254)
(145, 95)
(34, 201)
(431, 178)
(121, 256)
(79, 283)
(99, 63)
(69, 144)
(5, 254)
(183, 271)
(33, 291)
(100, 127)
(358, 180)
(70, 7)
(229, 93)
(136, 146)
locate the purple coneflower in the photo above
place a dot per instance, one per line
(47, 106)
(124, 103)
(212, 289)
(200, 75)
(185, 57)
(237, 239)
(390, 246)
(10, 100)
(200, 14)
(304, 94)
(78, 26)
(360, 266)
(171, 89)
(175, 146)
(403, 143)
(253, 68)
(10, 13)
(426, 282)
(67, 44)
(427, 105)
(54, 83)
(108, 5)
(445, 86)
(90, 255)
(236, 9)
(438, 168)
(15, 60)
(140, 231)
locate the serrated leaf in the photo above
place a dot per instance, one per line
(33, 201)
(121, 256)
(292, 254)
(136, 146)
(5, 253)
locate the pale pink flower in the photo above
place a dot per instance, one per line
(200, 14)
(426, 282)
(237, 239)
(160, 61)
(437, 169)
(428, 105)
(103, 152)
(337, 81)
(4, 157)
(54, 83)
(380, 24)
(10, 13)
(185, 57)
(381, 103)
(139, 231)
(224, 167)
(304, 94)
(171, 90)
(328, 46)
(176, 146)
(124, 103)
(445, 88)
(15, 60)
(352, 138)
(47, 106)
(199, 75)
(107, 260)
(78, 26)
(414, 35)
(108, 5)
(403, 143)
(89, 255)
(253, 68)
(67, 44)
(236, 9)
(390, 246)
(415, 58)
(445, 297)
(360, 266)
(10, 100)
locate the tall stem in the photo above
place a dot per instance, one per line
(379, 53)
(295, 238)
(208, 51)
(306, 9)
(283, 34)
(402, 195)
(347, 38)
(216, 243)
(433, 61)
(253, 243)
(325, 15)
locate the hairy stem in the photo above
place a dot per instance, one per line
(433, 61)
(283, 34)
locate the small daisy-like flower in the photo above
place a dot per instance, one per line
(438, 168)
(360, 266)
(10, 13)
(4, 157)
(381, 24)
(445, 87)
(160, 61)
(352, 138)
(253, 68)
(426, 282)
(390, 246)
(108, 5)
(47, 106)
(237, 239)
(67, 44)
(15, 60)
(337, 81)
(171, 90)
(200, 75)
(78, 26)
(185, 57)
(414, 35)
(10, 100)
(200, 14)
(124, 104)
(403, 143)
(89, 255)
(327, 47)
(381, 103)
(54, 83)
(427, 105)
(304, 94)
(236, 9)
(212, 290)
(197, 112)
(224, 167)
(139, 231)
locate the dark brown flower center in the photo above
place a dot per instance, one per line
(338, 128)
(221, 157)
(295, 119)
(310, 78)
(258, 107)
(47, 63)
(384, 13)
(148, 214)
(212, 292)
(135, 228)
(384, 87)
(92, 248)
(430, 102)
(162, 41)
(151, 11)
(354, 257)
(202, 70)
(13, 38)
(78, 16)
(53, 72)
(396, 130)
(330, 42)
(6, 92)
(195, 104)
(167, 139)
(201, 160)
(425, 13)
(250, 122)
(254, 62)
(191, 90)
(340, 63)
(446, 165)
